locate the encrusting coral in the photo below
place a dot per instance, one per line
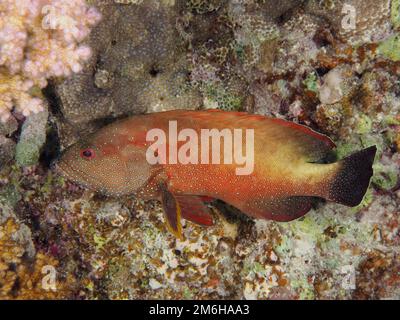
(138, 64)
(22, 272)
(39, 39)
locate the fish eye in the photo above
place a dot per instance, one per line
(88, 154)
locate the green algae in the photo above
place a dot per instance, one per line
(311, 82)
(252, 267)
(48, 184)
(308, 239)
(384, 176)
(203, 6)
(240, 53)
(187, 294)
(344, 149)
(90, 286)
(395, 13)
(10, 195)
(366, 201)
(390, 48)
(306, 290)
(364, 124)
(224, 100)
(99, 241)
(27, 154)
(392, 120)
(257, 267)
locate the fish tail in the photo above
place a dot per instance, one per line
(351, 181)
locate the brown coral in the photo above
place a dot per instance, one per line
(138, 65)
(372, 18)
(24, 279)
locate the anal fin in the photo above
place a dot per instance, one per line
(282, 209)
(194, 210)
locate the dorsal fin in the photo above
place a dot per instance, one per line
(306, 130)
(307, 143)
(283, 122)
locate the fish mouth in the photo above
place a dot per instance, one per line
(73, 174)
(83, 179)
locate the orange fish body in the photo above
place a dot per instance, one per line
(287, 170)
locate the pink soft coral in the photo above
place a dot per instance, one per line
(40, 39)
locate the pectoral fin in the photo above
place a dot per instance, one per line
(172, 213)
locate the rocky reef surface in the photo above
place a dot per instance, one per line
(332, 65)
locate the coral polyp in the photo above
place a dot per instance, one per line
(39, 40)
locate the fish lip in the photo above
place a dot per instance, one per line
(59, 168)
(68, 171)
(55, 167)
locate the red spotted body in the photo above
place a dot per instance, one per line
(288, 168)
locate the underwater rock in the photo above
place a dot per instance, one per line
(211, 56)
(329, 117)
(21, 235)
(255, 34)
(124, 250)
(330, 92)
(355, 21)
(23, 270)
(138, 65)
(275, 9)
(264, 96)
(300, 253)
(337, 87)
(32, 139)
(203, 6)
(298, 49)
(9, 127)
(7, 148)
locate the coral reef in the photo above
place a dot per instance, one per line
(7, 147)
(136, 67)
(372, 21)
(22, 269)
(39, 39)
(124, 252)
(292, 60)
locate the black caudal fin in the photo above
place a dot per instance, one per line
(352, 179)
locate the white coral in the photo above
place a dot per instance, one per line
(40, 39)
(331, 92)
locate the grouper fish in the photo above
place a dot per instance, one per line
(290, 168)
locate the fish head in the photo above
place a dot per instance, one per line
(104, 162)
